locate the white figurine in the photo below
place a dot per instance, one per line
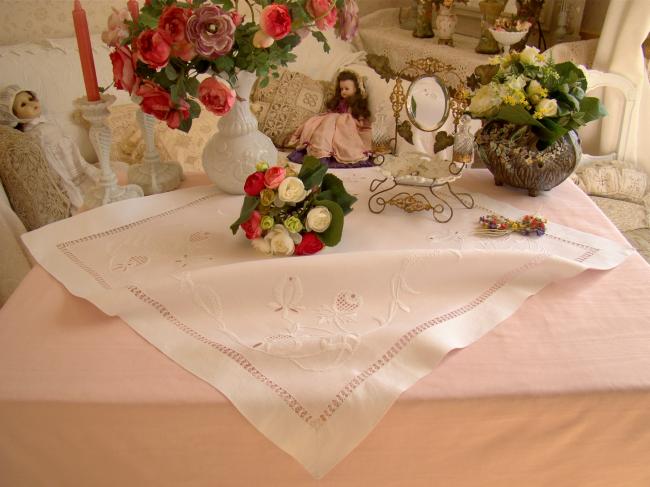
(21, 109)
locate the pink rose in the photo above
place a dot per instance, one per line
(252, 226)
(274, 176)
(275, 21)
(117, 30)
(216, 96)
(153, 48)
(158, 102)
(173, 21)
(254, 184)
(324, 13)
(310, 244)
(124, 69)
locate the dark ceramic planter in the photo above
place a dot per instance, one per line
(516, 164)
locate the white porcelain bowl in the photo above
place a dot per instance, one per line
(506, 38)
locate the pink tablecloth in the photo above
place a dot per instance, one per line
(559, 394)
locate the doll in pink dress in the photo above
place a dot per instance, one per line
(341, 137)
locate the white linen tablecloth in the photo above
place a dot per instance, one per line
(313, 351)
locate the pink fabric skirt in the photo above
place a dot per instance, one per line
(331, 134)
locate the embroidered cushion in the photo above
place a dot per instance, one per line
(614, 180)
(286, 102)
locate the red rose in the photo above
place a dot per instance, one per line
(158, 102)
(254, 184)
(153, 48)
(274, 176)
(124, 69)
(276, 21)
(310, 244)
(216, 96)
(173, 21)
(252, 226)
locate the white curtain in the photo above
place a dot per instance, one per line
(619, 51)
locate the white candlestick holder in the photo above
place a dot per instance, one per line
(152, 175)
(106, 190)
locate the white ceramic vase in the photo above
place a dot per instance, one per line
(233, 151)
(445, 26)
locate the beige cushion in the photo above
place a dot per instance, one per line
(32, 188)
(625, 215)
(614, 180)
(286, 102)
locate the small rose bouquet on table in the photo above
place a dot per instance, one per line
(160, 51)
(511, 24)
(286, 214)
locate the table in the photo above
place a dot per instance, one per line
(381, 34)
(558, 394)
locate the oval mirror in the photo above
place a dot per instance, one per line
(427, 103)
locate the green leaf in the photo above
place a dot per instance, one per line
(195, 108)
(250, 203)
(312, 172)
(192, 86)
(224, 63)
(570, 73)
(518, 115)
(320, 37)
(332, 236)
(148, 20)
(174, 93)
(264, 82)
(552, 132)
(592, 108)
(333, 189)
(185, 125)
(170, 72)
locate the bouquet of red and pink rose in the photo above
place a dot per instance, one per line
(286, 213)
(159, 53)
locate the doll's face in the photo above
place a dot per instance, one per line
(26, 106)
(347, 88)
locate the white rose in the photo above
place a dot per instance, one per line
(535, 91)
(531, 56)
(319, 219)
(262, 245)
(517, 83)
(292, 190)
(546, 108)
(281, 242)
(485, 101)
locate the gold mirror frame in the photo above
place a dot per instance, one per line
(417, 69)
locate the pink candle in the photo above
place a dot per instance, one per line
(134, 8)
(85, 51)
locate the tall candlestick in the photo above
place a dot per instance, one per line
(85, 51)
(134, 8)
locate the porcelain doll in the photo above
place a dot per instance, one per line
(21, 109)
(341, 137)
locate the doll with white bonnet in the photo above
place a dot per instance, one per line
(21, 109)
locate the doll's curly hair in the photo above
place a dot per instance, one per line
(358, 103)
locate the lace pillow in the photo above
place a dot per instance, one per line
(614, 180)
(32, 189)
(286, 102)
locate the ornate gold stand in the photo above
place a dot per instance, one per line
(441, 210)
